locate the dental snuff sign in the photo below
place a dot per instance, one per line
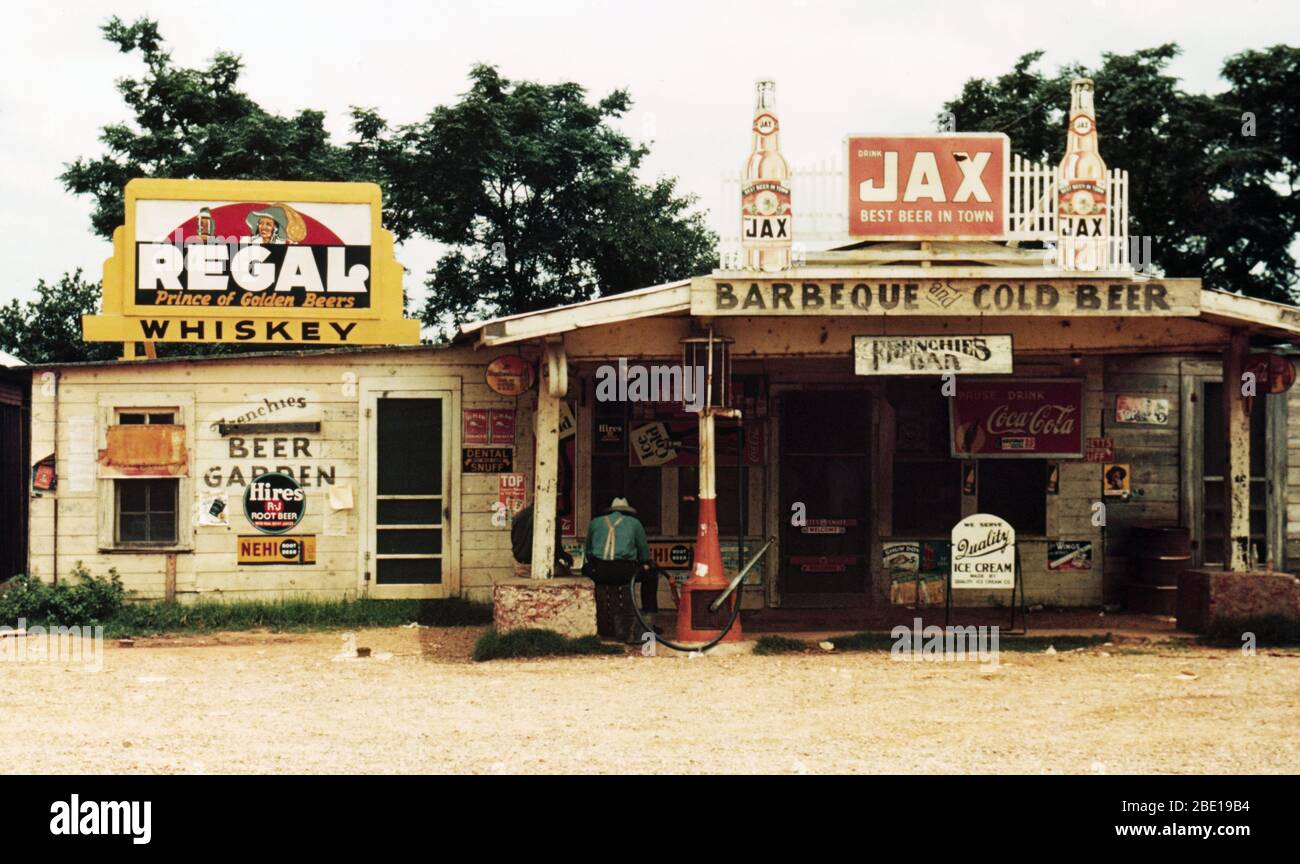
(925, 187)
(983, 552)
(250, 261)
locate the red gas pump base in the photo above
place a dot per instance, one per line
(695, 623)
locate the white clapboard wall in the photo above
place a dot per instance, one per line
(819, 195)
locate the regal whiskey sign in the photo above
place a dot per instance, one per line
(245, 261)
(743, 295)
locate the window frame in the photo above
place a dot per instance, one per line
(110, 406)
(147, 512)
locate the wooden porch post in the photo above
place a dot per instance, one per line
(1236, 470)
(551, 388)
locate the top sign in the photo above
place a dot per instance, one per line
(252, 261)
(927, 187)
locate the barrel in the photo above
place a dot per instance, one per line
(1158, 555)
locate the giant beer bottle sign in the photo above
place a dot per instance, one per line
(766, 220)
(249, 261)
(983, 552)
(1081, 213)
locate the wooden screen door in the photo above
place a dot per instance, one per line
(410, 544)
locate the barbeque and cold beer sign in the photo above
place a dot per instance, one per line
(248, 261)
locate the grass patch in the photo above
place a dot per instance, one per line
(1272, 631)
(781, 645)
(533, 642)
(293, 615)
(85, 600)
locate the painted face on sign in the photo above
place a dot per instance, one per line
(266, 229)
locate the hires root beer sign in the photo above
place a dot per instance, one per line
(252, 261)
(910, 187)
(1031, 418)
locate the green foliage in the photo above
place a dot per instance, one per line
(537, 643)
(1217, 201)
(196, 122)
(781, 645)
(81, 600)
(537, 196)
(1269, 631)
(151, 618)
(47, 328)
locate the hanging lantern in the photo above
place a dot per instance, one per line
(706, 361)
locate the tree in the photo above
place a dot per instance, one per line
(47, 329)
(196, 123)
(535, 194)
(1215, 194)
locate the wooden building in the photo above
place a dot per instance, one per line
(410, 461)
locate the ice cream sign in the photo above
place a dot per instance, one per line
(910, 187)
(250, 261)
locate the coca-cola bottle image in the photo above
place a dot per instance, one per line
(1081, 223)
(765, 219)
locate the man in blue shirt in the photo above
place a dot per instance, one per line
(616, 548)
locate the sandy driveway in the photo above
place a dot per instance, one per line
(280, 703)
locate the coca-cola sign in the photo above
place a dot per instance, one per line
(1031, 418)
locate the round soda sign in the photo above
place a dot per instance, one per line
(274, 503)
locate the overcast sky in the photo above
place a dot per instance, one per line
(690, 66)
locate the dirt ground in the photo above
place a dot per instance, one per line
(270, 703)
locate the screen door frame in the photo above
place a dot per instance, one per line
(447, 389)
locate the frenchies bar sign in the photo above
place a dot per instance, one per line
(250, 261)
(1030, 418)
(910, 187)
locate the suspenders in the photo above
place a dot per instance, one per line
(610, 537)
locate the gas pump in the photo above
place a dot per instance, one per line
(708, 603)
(707, 580)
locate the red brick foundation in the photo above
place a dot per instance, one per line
(1207, 596)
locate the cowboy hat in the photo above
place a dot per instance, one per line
(620, 505)
(275, 214)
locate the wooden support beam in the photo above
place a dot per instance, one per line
(547, 441)
(1236, 469)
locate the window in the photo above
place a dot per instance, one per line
(927, 480)
(143, 473)
(146, 511)
(140, 418)
(611, 475)
(1016, 490)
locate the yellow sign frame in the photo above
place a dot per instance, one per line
(123, 320)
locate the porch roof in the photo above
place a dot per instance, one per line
(1263, 318)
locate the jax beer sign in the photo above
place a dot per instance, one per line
(251, 261)
(924, 187)
(1028, 417)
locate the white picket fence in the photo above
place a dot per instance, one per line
(819, 195)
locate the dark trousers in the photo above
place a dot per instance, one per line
(620, 573)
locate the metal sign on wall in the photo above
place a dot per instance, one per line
(932, 355)
(291, 263)
(809, 294)
(1027, 417)
(926, 187)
